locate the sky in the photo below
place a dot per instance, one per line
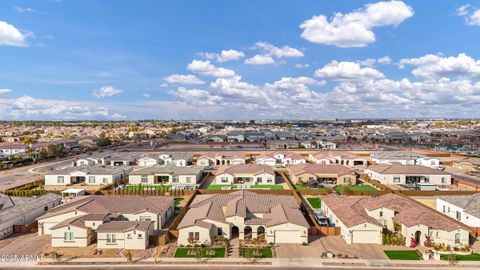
(249, 59)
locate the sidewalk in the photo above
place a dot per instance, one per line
(264, 263)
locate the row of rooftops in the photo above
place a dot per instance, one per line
(12, 207)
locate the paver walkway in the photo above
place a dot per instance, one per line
(235, 246)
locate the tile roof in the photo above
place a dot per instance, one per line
(124, 226)
(79, 221)
(277, 209)
(116, 204)
(469, 203)
(245, 168)
(352, 211)
(13, 207)
(92, 170)
(319, 169)
(405, 169)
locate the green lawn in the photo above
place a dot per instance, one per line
(469, 257)
(403, 254)
(341, 189)
(183, 253)
(178, 201)
(271, 187)
(147, 187)
(264, 252)
(315, 202)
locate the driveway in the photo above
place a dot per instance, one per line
(24, 244)
(313, 250)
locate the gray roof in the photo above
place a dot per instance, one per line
(397, 155)
(12, 207)
(93, 170)
(470, 203)
(173, 170)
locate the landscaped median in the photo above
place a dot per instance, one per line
(270, 187)
(199, 252)
(403, 254)
(257, 253)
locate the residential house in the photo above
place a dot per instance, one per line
(17, 211)
(464, 208)
(188, 176)
(97, 159)
(405, 158)
(322, 173)
(280, 159)
(235, 136)
(221, 158)
(254, 136)
(147, 160)
(88, 175)
(363, 219)
(245, 174)
(407, 175)
(176, 159)
(130, 219)
(338, 157)
(244, 215)
(13, 149)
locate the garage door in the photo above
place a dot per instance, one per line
(365, 237)
(287, 237)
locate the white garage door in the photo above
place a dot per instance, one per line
(287, 237)
(365, 237)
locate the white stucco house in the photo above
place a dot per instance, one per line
(112, 221)
(464, 208)
(167, 175)
(338, 157)
(407, 174)
(88, 175)
(221, 158)
(244, 215)
(362, 219)
(146, 161)
(245, 174)
(23, 210)
(280, 159)
(405, 158)
(175, 159)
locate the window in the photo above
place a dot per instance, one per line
(194, 235)
(68, 236)
(346, 179)
(396, 179)
(140, 236)
(300, 179)
(432, 162)
(189, 179)
(129, 236)
(60, 179)
(224, 179)
(436, 234)
(219, 231)
(457, 238)
(45, 208)
(104, 180)
(381, 214)
(444, 180)
(175, 179)
(111, 238)
(444, 209)
(459, 215)
(145, 218)
(91, 179)
(269, 180)
(259, 180)
(144, 179)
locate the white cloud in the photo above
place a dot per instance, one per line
(106, 91)
(471, 14)
(438, 66)
(27, 10)
(370, 62)
(270, 52)
(4, 91)
(347, 71)
(206, 68)
(260, 60)
(225, 55)
(302, 66)
(27, 107)
(354, 29)
(11, 36)
(146, 95)
(183, 79)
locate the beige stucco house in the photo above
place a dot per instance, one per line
(407, 174)
(88, 175)
(362, 220)
(338, 157)
(324, 174)
(76, 223)
(221, 158)
(244, 215)
(245, 174)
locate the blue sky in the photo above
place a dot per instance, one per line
(121, 59)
